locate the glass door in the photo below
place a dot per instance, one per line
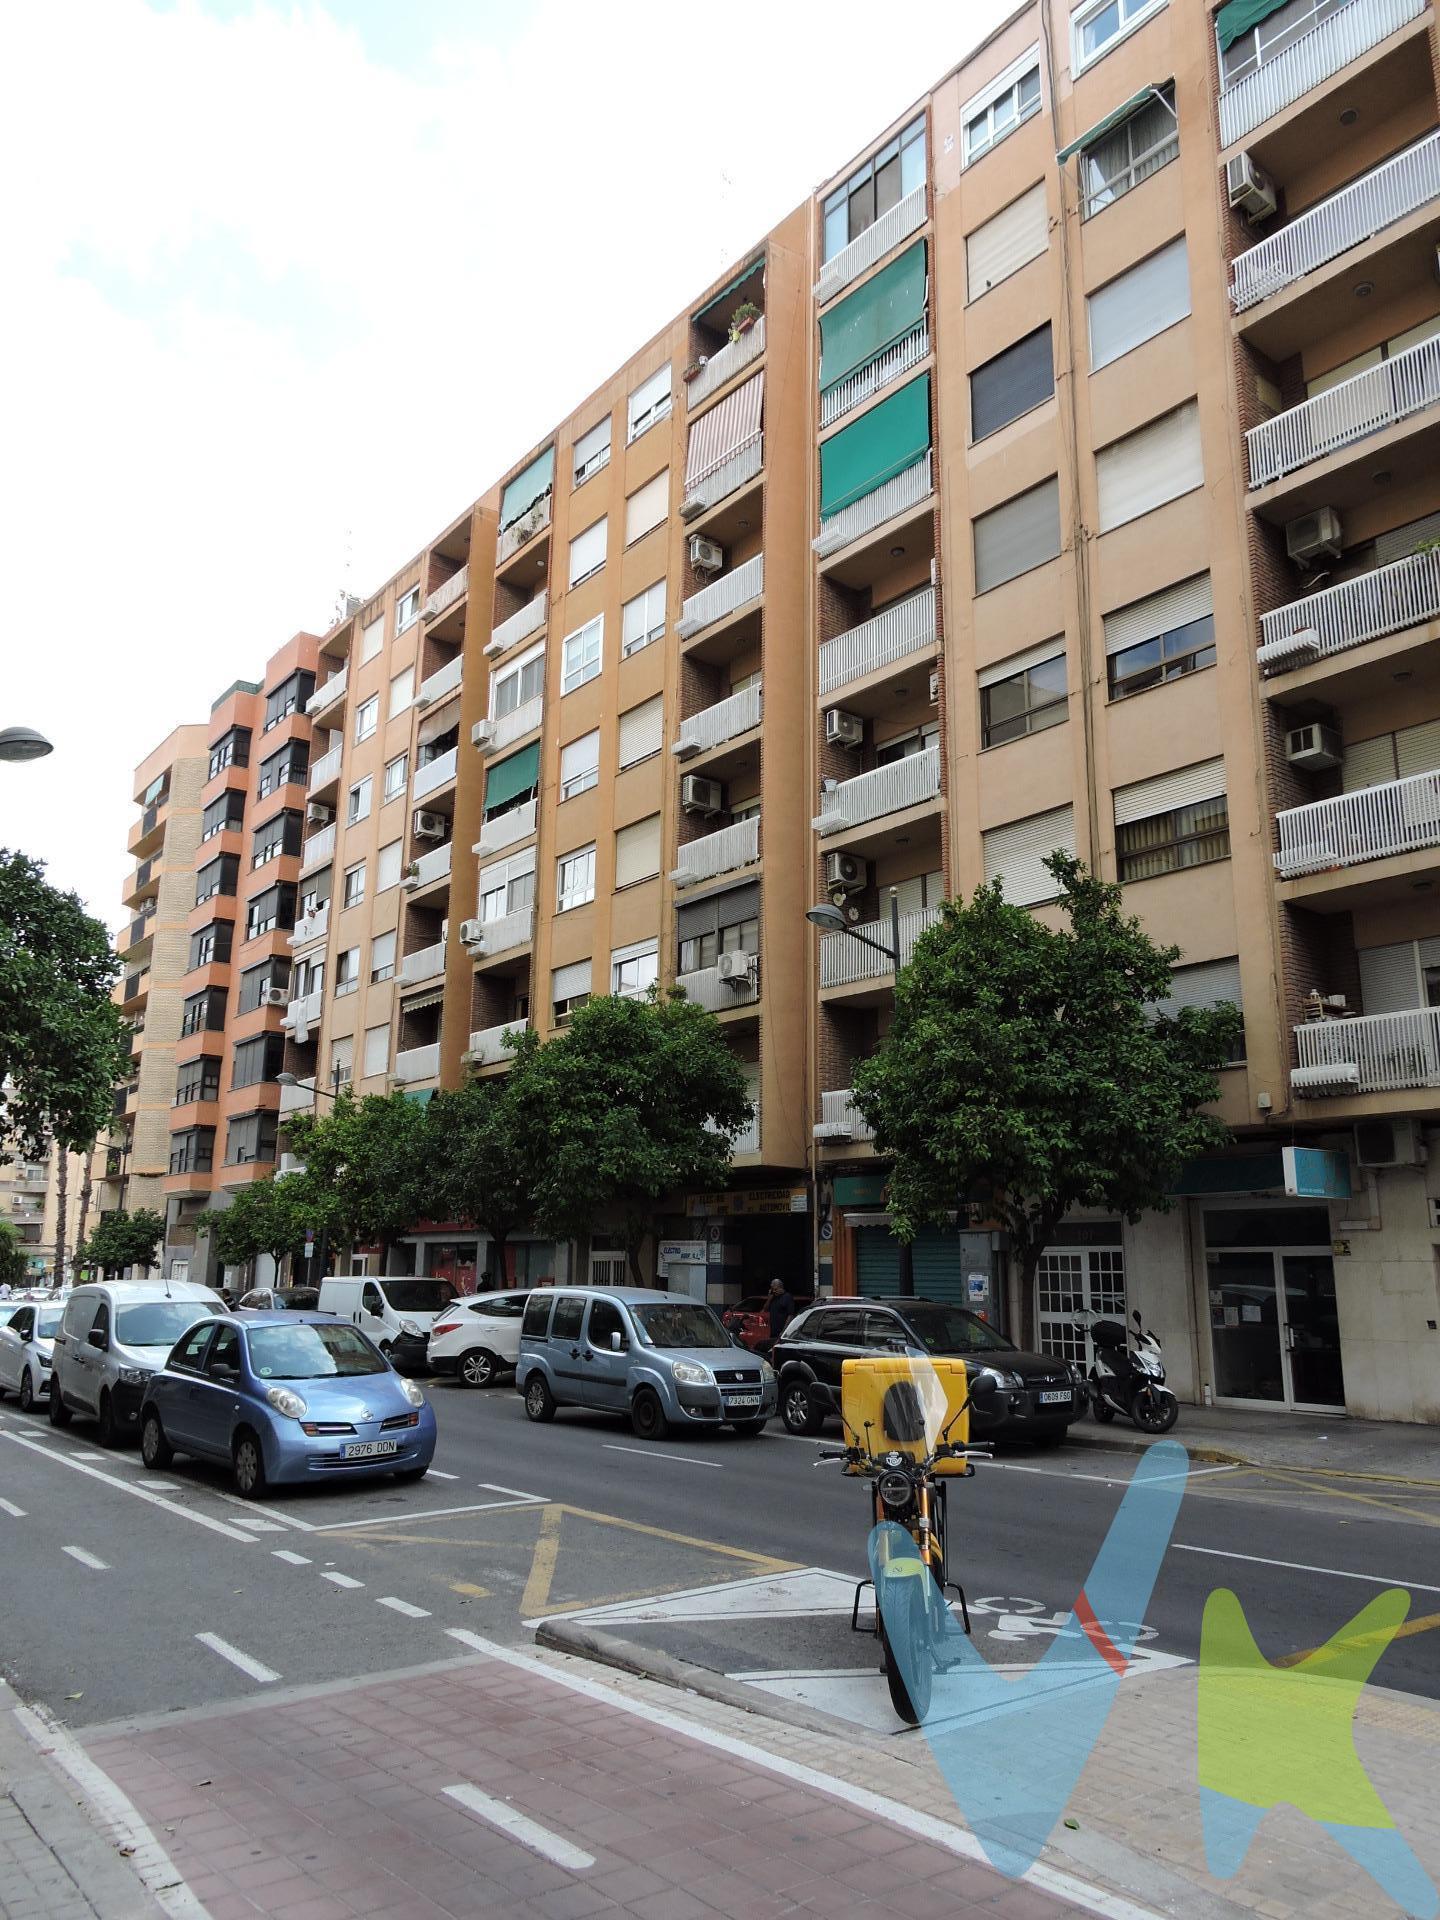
(1071, 1281)
(1245, 1337)
(1312, 1331)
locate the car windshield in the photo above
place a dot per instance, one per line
(159, 1323)
(680, 1326)
(419, 1296)
(311, 1352)
(47, 1322)
(955, 1330)
(300, 1299)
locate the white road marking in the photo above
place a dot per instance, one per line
(87, 1456)
(285, 1519)
(403, 1606)
(660, 1453)
(292, 1559)
(164, 1486)
(260, 1526)
(125, 1486)
(498, 1813)
(1299, 1566)
(339, 1579)
(87, 1559)
(9, 1506)
(255, 1668)
(430, 1513)
(436, 1474)
(514, 1492)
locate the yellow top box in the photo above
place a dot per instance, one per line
(911, 1420)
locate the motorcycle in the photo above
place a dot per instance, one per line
(1129, 1380)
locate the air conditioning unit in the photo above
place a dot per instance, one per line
(472, 933)
(429, 826)
(274, 997)
(706, 556)
(843, 729)
(1388, 1143)
(698, 795)
(935, 689)
(482, 733)
(737, 969)
(1314, 747)
(318, 814)
(1312, 535)
(845, 873)
(1251, 191)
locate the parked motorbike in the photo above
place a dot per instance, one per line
(1129, 1379)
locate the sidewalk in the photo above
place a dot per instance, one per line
(1308, 1442)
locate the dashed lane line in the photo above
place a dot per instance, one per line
(339, 1579)
(436, 1474)
(9, 1506)
(1299, 1566)
(291, 1559)
(529, 1833)
(515, 1493)
(430, 1513)
(660, 1453)
(260, 1526)
(404, 1606)
(87, 1559)
(256, 1669)
(125, 1486)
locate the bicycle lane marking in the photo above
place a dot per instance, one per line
(124, 1486)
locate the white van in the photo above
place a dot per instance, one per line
(396, 1311)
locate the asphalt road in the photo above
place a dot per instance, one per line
(200, 1597)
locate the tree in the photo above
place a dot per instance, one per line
(62, 1042)
(367, 1177)
(62, 1212)
(86, 1188)
(268, 1217)
(635, 1099)
(1030, 1069)
(124, 1239)
(14, 1263)
(483, 1160)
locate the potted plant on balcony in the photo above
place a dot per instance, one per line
(743, 318)
(695, 369)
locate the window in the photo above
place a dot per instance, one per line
(1139, 304)
(1015, 854)
(1024, 694)
(890, 438)
(634, 970)
(1160, 638)
(279, 836)
(342, 1057)
(275, 907)
(251, 1138)
(1012, 383)
(388, 863)
(367, 717)
(1004, 105)
(292, 762)
(377, 1051)
(308, 977)
(223, 814)
(569, 989)
(701, 950)
(642, 730)
(1242, 52)
(198, 1080)
(290, 696)
(203, 1012)
(647, 508)
(211, 945)
(587, 552)
(643, 619)
(574, 879)
(232, 749)
(637, 851)
(258, 1059)
(402, 691)
(1144, 470)
(254, 982)
(359, 803)
(354, 891)
(192, 1151)
(1130, 153)
(1175, 821)
(581, 658)
(407, 609)
(220, 876)
(382, 958)
(1206, 984)
(372, 638)
(507, 886)
(874, 188)
(396, 774)
(649, 403)
(1020, 534)
(901, 746)
(347, 971)
(1015, 236)
(580, 765)
(592, 452)
(1096, 26)
(518, 684)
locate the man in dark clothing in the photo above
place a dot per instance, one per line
(780, 1306)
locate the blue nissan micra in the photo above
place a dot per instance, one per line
(285, 1396)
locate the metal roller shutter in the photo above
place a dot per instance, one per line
(1367, 763)
(1020, 534)
(1015, 854)
(566, 982)
(1204, 984)
(1144, 470)
(937, 1266)
(1159, 613)
(1139, 304)
(1390, 978)
(1021, 662)
(1018, 234)
(877, 1261)
(642, 730)
(1186, 787)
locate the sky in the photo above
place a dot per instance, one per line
(291, 285)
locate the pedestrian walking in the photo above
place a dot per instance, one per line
(780, 1306)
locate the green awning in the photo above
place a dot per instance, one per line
(730, 286)
(886, 308)
(527, 487)
(881, 444)
(509, 778)
(1240, 16)
(1115, 119)
(421, 1096)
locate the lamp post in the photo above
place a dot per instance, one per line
(23, 743)
(332, 1092)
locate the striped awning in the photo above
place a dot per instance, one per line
(722, 432)
(415, 1001)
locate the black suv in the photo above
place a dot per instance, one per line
(1039, 1394)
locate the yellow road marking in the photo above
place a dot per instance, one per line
(762, 1562)
(542, 1565)
(1313, 1482)
(1425, 1623)
(472, 1592)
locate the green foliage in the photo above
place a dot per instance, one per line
(366, 1178)
(634, 1099)
(268, 1217)
(14, 1262)
(124, 1240)
(1027, 1069)
(62, 1042)
(483, 1161)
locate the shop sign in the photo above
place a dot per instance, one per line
(749, 1200)
(681, 1253)
(1316, 1173)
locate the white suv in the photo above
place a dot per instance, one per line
(113, 1337)
(478, 1336)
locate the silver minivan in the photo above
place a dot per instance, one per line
(660, 1358)
(113, 1336)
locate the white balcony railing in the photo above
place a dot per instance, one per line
(844, 961)
(326, 695)
(531, 522)
(417, 1063)
(748, 1138)
(1366, 403)
(872, 245)
(888, 789)
(1387, 600)
(430, 867)
(436, 773)
(446, 594)
(725, 364)
(726, 720)
(722, 597)
(841, 1119)
(716, 853)
(317, 849)
(872, 510)
(708, 990)
(1370, 824)
(505, 933)
(742, 465)
(297, 1098)
(302, 1014)
(513, 726)
(1378, 1053)
(311, 927)
(488, 1047)
(426, 963)
(530, 619)
(896, 634)
(507, 829)
(324, 770)
(1310, 61)
(443, 682)
(1375, 201)
(859, 386)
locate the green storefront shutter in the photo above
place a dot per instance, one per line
(1240, 16)
(881, 444)
(936, 1264)
(527, 487)
(877, 1261)
(885, 308)
(510, 777)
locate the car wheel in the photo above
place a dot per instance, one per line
(106, 1432)
(798, 1409)
(155, 1449)
(539, 1401)
(27, 1392)
(749, 1428)
(408, 1475)
(647, 1416)
(59, 1412)
(249, 1465)
(478, 1367)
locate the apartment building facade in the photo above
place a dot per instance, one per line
(1056, 477)
(32, 1202)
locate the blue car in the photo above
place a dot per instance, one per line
(285, 1397)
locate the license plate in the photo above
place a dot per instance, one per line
(368, 1449)
(1052, 1399)
(742, 1400)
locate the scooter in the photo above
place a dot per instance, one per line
(1129, 1380)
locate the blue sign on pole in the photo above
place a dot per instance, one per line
(1316, 1173)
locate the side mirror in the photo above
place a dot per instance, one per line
(617, 1343)
(99, 1338)
(1135, 1316)
(983, 1391)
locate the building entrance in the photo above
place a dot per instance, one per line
(1274, 1324)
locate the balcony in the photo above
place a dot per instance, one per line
(135, 991)
(708, 990)
(1374, 823)
(507, 933)
(741, 467)
(899, 633)
(1364, 405)
(318, 850)
(435, 774)
(297, 1099)
(865, 382)
(426, 963)
(493, 736)
(327, 696)
(748, 1138)
(429, 868)
(488, 1048)
(417, 1063)
(507, 829)
(872, 245)
(725, 364)
(1347, 219)
(534, 520)
(442, 683)
(889, 789)
(302, 1014)
(445, 596)
(845, 962)
(325, 771)
(732, 591)
(148, 832)
(1377, 1053)
(530, 619)
(841, 1120)
(726, 720)
(712, 854)
(900, 495)
(1309, 62)
(139, 883)
(1388, 600)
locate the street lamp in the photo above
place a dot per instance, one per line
(23, 743)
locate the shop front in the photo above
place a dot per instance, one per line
(1274, 1324)
(748, 1237)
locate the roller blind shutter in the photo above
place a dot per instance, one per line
(1159, 463)
(1022, 662)
(718, 910)
(377, 1050)
(587, 551)
(881, 443)
(1012, 383)
(1141, 303)
(646, 508)
(877, 1261)
(1015, 854)
(860, 327)
(1018, 234)
(1186, 787)
(1400, 541)
(637, 851)
(1160, 613)
(642, 731)
(1390, 978)
(1368, 763)
(387, 866)
(936, 1265)
(566, 982)
(589, 447)
(501, 872)
(717, 436)
(1202, 985)
(527, 487)
(1021, 534)
(519, 774)
(1417, 749)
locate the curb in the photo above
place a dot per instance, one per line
(1219, 1456)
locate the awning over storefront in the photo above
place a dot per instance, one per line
(1111, 120)
(880, 444)
(527, 487)
(508, 778)
(862, 326)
